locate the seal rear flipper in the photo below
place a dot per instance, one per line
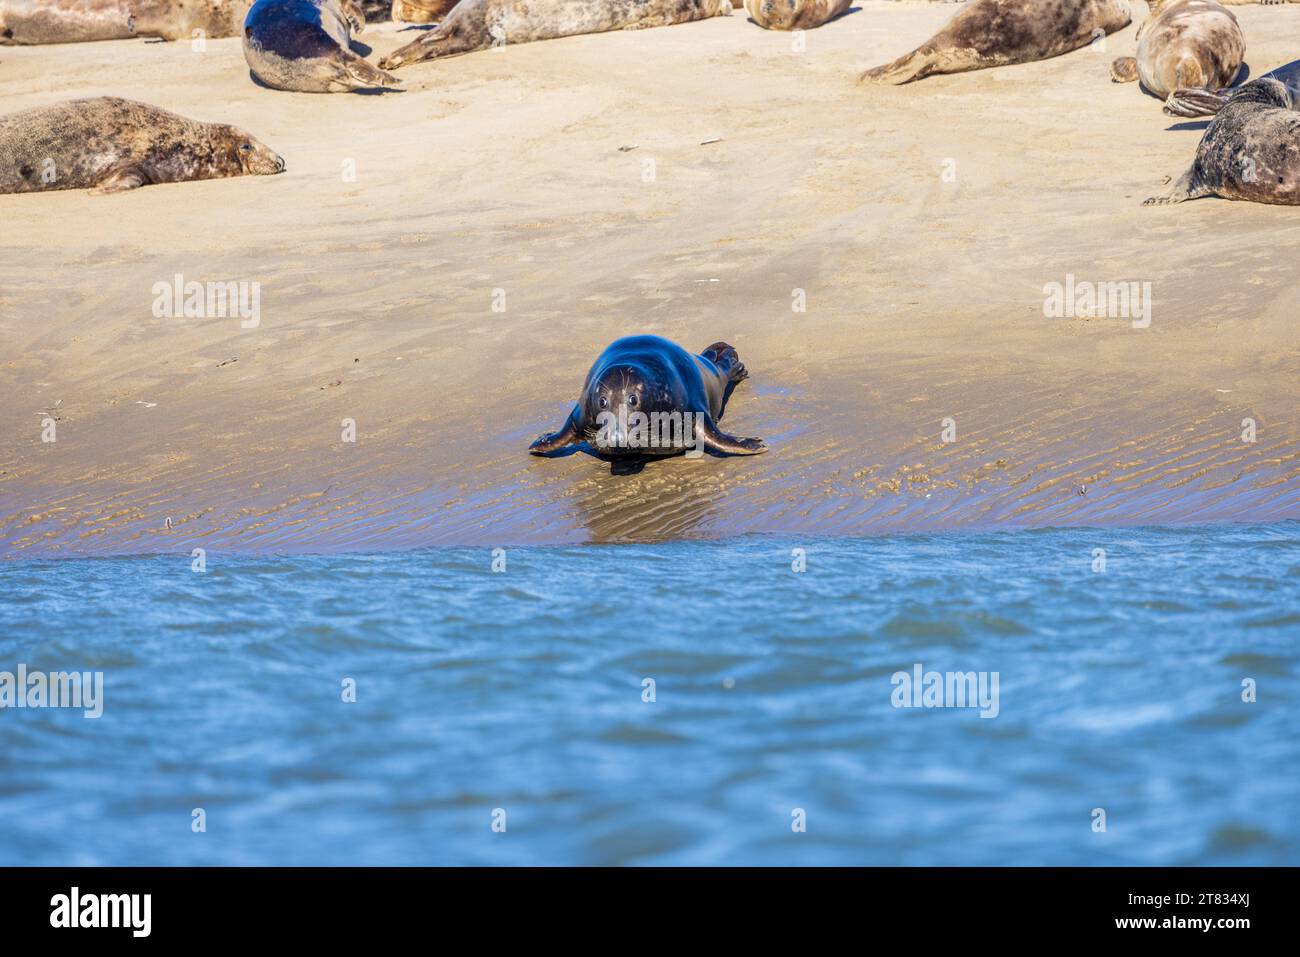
(1180, 192)
(715, 440)
(726, 358)
(1124, 69)
(121, 179)
(1196, 102)
(909, 67)
(431, 46)
(568, 434)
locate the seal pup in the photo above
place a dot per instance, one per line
(304, 46)
(1184, 44)
(647, 397)
(794, 14)
(109, 144)
(479, 24)
(78, 21)
(991, 33)
(1250, 151)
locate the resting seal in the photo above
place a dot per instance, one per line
(1184, 44)
(646, 396)
(110, 144)
(1250, 151)
(794, 14)
(75, 21)
(1001, 32)
(304, 46)
(479, 24)
(1198, 102)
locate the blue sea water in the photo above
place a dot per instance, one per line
(520, 697)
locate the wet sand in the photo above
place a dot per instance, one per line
(500, 174)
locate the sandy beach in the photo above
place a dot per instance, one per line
(515, 210)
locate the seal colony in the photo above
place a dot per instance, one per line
(1250, 151)
(109, 144)
(479, 24)
(1184, 44)
(990, 33)
(305, 46)
(647, 397)
(78, 21)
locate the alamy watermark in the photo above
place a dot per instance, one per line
(948, 689)
(1098, 300)
(655, 430)
(179, 299)
(58, 689)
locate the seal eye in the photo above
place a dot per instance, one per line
(604, 402)
(631, 400)
(247, 148)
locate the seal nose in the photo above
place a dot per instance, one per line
(279, 163)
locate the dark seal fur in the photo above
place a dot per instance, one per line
(990, 33)
(1250, 151)
(658, 380)
(304, 46)
(110, 144)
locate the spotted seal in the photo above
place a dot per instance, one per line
(990, 33)
(109, 144)
(646, 397)
(478, 24)
(76, 21)
(1250, 151)
(304, 46)
(1185, 44)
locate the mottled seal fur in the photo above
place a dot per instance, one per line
(794, 14)
(304, 46)
(656, 379)
(990, 33)
(1184, 44)
(1250, 151)
(1199, 102)
(479, 24)
(110, 144)
(76, 21)
(421, 11)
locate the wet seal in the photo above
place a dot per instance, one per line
(646, 397)
(304, 46)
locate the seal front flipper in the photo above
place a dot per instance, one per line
(715, 440)
(1180, 192)
(441, 42)
(120, 180)
(568, 434)
(356, 73)
(1196, 102)
(1124, 69)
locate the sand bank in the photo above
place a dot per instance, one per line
(921, 224)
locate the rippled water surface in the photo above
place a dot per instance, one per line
(523, 691)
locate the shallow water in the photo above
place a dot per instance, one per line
(523, 691)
